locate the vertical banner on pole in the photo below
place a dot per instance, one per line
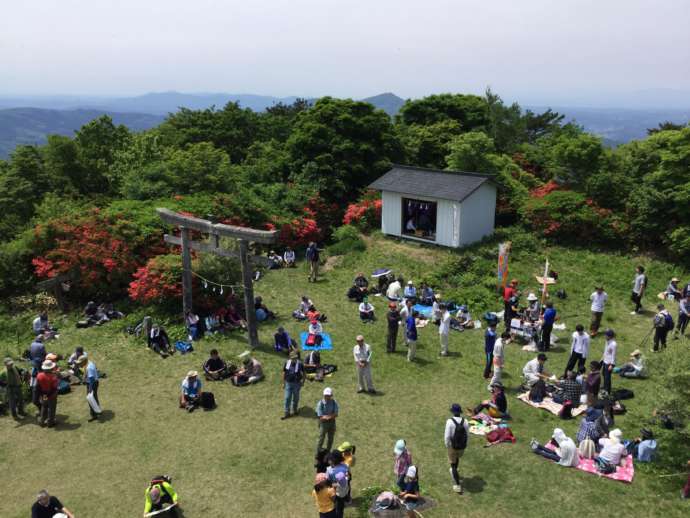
(502, 273)
(545, 280)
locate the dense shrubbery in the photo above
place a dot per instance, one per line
(347, 239)
(159, 281)
(365, 214)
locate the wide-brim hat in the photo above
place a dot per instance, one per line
(532, 297)
(192, 374)
(293, 354)
(48, 365)
(636, 352)
(675, 279)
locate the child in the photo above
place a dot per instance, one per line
(324, 496)
(321, 461)
(338, 473)
(348, 451)
(410, 494)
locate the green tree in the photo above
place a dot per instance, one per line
(470, 111)
(62, 164)
(428, 145)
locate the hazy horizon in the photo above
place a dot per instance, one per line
(539, 51)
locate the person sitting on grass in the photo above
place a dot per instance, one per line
(410, 292)
(262, 311)
(673, 292)
(359, 289)
(394, 290)
(234, 318)
(589, 428)
(283, 342)
(41, 326)
(324, 496)
(410, 492)
(427, 295)
(191, 321)
(47, 506)
(161, 495)
(565, 452)
(312, 363)
(497, 406)
(635, 368)
(251, 371)
(289, 257)
(463, 319)
(643, 448)
(612, 451)
(568, 390)
(215, 368)
(160, 342)
(315, 333)
(533, 370)
(366, 311)
(191, 391)
(274, 260)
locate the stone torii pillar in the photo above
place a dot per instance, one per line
(217, 230)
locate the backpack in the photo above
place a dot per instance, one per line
(207, 401)
(64, 387)
(538, 392)
(459, 439)
(566, 411)
(668, 321)
(622, 394)
(184, 347)
(587, 449)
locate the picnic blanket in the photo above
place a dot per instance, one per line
(550, 405)
(624, 473)
(422, 310)
(326, 344)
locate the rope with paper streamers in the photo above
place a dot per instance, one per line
(207, 282)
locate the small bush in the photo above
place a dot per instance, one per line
(347, 239)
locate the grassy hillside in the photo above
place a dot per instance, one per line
(241, 460)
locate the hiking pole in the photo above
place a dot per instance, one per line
(646, 337)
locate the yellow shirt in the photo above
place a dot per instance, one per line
(324, 499)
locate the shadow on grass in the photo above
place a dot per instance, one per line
(62, 424)
(474, 484)
(306, 412)
(106, 415)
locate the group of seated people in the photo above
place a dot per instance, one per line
(98, 314)
(217, 369)
(287, 260)
(306, 310)
(225, 318)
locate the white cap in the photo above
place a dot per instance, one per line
(409, 283)
(328, 391)
(411, 472)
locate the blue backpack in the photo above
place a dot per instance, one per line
(669, 322)
(184, 347)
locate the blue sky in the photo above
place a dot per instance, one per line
(532, 49)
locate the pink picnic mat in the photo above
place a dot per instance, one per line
(623, 473)
(550, 405)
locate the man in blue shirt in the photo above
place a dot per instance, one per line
(191, 391)
(91, 381)
(326, 411)
(548, 319)
(489, 342)
(411, 335)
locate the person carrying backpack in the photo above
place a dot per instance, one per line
(455, 439)
(663, 323)
(293, 381)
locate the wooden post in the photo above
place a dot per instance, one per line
(248, 281)
(186, 271)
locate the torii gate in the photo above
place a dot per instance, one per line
(216, 231)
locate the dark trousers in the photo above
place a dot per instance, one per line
(546, 337)
(660, 334)
(15, 400)
(596, 322)
(637, 300)
(607, 377)
(507, 314)
(93, 387)
(545, 452)
(48, 409)
(682, 323)
(489, 363)
(391, 339)
(339, 507)
(575, 358)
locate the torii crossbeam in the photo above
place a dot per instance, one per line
(217, 230)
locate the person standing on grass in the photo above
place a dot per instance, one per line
(411, 335)
(362, 355)
(548, 319)
(509, 292)
(324, 496)
(579, 350)
(91, 381)
(327, 412)
(489, 344)
(499, 358)
(608, 360)
(444, 329)
(598, 298)
(663, 323)
(683, 316)
(47, 392)
(313, 258)
(47, 506)
(402, 461)
(393, 318)
(639, 287)
(455, 439)
(293, 381)
(405, 311)
(13, 378)
(338, 473)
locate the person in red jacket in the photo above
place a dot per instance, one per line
(47, 387)
(509, 292)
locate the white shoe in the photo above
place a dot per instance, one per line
(457, 488)
(633, 312)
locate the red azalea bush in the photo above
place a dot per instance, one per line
(299, 232)
(159, 281)
(364, 214)
(545, 189)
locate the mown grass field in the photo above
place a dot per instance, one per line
(242, 460)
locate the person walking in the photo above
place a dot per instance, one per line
(455, 439)
(411, 335)
(639, 287)
(663, 323)
(444, 329)
(393, 318)
(489, 344)
(499, 358)
(362, 355)
(608, 360)
(293, 381)
(91, 380)
(47, 390)
(313, 258)
(327, 412)
(683, 316)
(579, 350)
(599, 298)
(548, 319)
(15, 400)
(403, 460)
